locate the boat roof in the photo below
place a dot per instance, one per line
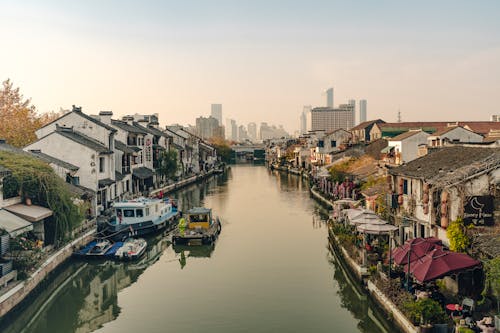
(139, 202)
(199, 210)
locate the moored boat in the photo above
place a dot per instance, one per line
(132, 249)
(198, 227)
(99, 248)
(141, 216)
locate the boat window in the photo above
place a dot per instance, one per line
(128, 212)
(147, 211)
(156, 208)
(118, 212)
(139, 213)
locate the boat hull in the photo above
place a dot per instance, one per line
(120, 232)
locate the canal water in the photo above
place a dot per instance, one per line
(270, 271)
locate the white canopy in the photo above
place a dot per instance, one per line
(376, 229)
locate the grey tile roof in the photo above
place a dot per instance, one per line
(142, 172)
(123, 147)
(105, 182)
(83, 140)
(446, 162)
(53, 160)
(118, 176)
(79, 112)
(128, 128)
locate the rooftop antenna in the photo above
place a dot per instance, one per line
(399, 115)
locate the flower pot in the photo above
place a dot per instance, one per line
(426, 329)
(28, 202)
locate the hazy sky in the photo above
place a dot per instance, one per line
(263, 60)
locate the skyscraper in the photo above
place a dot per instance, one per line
(329, 98)
(362, 110)
(353, 103)
(252, 131)
(305, 119)
(231, 130)
(217, 112)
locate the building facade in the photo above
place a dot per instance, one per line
(329, 119)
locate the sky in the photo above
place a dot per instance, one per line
(262, 60)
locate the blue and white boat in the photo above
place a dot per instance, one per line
(141, 216)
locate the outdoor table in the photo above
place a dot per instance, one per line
(453, 307)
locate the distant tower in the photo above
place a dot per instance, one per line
(352, 102)
(329, 98)
(362, 110)
(399, 116)
(217, 112)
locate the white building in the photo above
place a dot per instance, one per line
(95, 161)
(329, 119)
(405, 146)
(453, 134)
(329, 143)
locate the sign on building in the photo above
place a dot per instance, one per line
(479, 210)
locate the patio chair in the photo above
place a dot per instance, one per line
(468, 305)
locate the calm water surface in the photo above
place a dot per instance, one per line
(270, 271)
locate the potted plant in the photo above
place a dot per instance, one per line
(427, 312)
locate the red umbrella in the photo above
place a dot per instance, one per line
(414, 248)
(439, 263)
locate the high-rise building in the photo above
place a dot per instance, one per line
(252, 131)
(216, 112)
(208, 128)
(305, 119)
(362, 110)
(329, 98)
(231, 130)
(329, 119)
(353, 103)
(271, 132)
(242, 134)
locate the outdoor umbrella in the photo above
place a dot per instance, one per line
(367, 218)
(439, 263)
(414, 249)
(376, 229)
(352, 212)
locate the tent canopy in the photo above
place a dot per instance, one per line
(376, 229)
(415, 248)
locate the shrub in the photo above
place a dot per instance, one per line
(456, 232)
(425, 311)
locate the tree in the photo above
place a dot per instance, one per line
(222, 148)
(168, 165)
(456, 232)
(19, 117)
(493, 279)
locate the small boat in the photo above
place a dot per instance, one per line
(132, 249)
(199, 227)
(141, 216)
(98, 248)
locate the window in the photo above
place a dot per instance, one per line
(333, 143)
(156, 208)
(127, 186)
(321, 143)
(139, 213)
(101, 164)
(128, 212)
(405, 186)
(147, 211)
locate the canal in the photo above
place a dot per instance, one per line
(270, 271)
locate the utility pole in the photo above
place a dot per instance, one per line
(399, 115)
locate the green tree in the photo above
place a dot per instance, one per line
(34, 179)
(456, 232)
(168, 165)
(493, 279)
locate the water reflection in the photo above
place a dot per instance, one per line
(277, 280)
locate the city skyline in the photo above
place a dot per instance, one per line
(131, 58)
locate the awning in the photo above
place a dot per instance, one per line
(123, 147)
(32, 213)
(13, 224)
(118, 176)
(105, 182)
(142, 173)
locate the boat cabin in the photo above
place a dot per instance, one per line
(134, 211)
(199, 217)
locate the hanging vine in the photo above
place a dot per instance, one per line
(36, 180)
